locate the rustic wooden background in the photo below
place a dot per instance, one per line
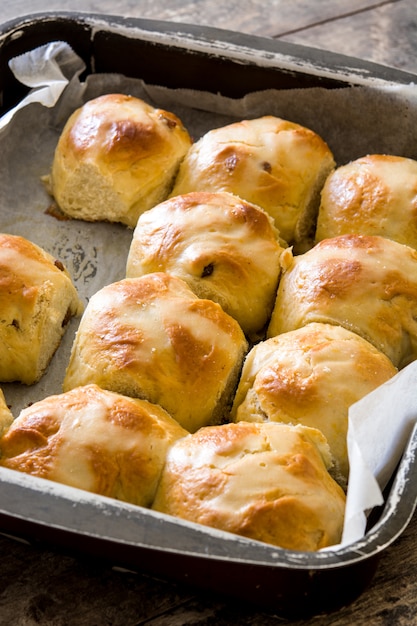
(41, 586)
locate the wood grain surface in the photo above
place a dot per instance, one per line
(40, 585)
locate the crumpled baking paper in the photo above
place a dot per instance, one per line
(47, 70)
(380, 425)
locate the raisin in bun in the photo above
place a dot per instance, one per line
(373, 195)
(367, 284)
(37, 300)
(95, 440)
(116, 157)
(226, 249)
(269, 482)
(311, 376)
(273, 163)
(153, 338)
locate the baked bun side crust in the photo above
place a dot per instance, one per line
(273, 163)
(367, 284)
(151, 337)
(268, 482)
(226, 249)
(6, 416)
(94, 440)
(116, 157)
(373, 195)
(311, 376)
(37, 300)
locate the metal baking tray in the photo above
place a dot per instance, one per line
(289, 583)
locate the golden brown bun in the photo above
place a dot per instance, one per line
(226, 250)
(37, 300)
(152, 338)
(367, 284)
(278, 165)
(374, 195)
(116, 157)
(94, 440)
(311, 376)
(268, 482)
(6, 417)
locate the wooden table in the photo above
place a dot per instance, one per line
(41, 586)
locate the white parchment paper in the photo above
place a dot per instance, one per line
(354, 122)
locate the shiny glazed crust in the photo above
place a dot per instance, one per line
(273, 163)
(268, 482)
(94, 440)
(311, 376)
(116, 157)
(151, 337)
(226, 249)
(367, 284)
(37, 300)
(373, 195)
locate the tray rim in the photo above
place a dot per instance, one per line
(236, 45)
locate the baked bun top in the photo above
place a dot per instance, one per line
(367, 284)
(116, 157)
(94, 440)
(268, 482)
(37, 300)
(311, 376)
(226, 249)
(151, 337)
(373, 195)
(276, 164)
